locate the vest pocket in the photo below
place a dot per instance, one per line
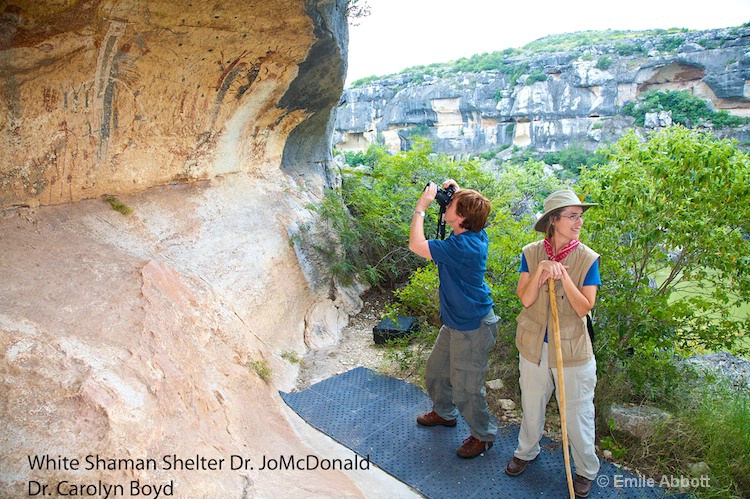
(571, 327)
(528, 335)
(574, 349)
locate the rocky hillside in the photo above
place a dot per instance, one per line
(557, 91)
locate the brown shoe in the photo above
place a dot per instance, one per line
(432, 419)
(516, 466)
(581, 486)
(473, 447)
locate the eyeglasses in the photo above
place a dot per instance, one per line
(573, 218)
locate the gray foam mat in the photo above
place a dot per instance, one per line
(375, 415)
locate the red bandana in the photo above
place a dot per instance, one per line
(563, 253)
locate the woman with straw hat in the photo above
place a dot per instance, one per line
(574, 268)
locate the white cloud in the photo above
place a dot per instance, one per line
(404, 33)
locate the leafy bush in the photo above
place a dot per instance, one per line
(670, 43)
(604, 63)
(535, 77)
(492, 153)
(574, 157)
(373, 211)
(626, 49)
(674, 207)
(368, 157)
(710, 424)
(686, 109)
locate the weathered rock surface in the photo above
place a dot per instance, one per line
(638, 420)
(137, 336)
(724, 366)
(578, 101)
(149, 335)
(114, 97)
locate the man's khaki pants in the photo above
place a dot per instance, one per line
(455, 375)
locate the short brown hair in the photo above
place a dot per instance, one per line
(553, 216)
(474, 207)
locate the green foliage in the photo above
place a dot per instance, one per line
(604, 62)
(626, 49)
(368, 158)
(261, 368)
(356, 9)
(687, 109)
(367, 80)
(670, 43)
(291, 356)
(610, 443)
(676, 205)
(501, 61)
(574, 157)
(420, 296)
(373, 211)
(117, 205)
(492, 153)
(709, 424)
(421, 130)
(535, 77)
(520, 183)
(569, 41)
(410, 353)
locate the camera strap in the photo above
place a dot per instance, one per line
(440, 233)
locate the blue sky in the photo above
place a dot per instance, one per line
(404, 33)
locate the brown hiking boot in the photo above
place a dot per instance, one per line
(473, 447)
(516, 466)
(581, 486)
(432, 419)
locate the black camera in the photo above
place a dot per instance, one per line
(443, 197)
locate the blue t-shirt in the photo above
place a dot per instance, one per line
(592, 276)
(464, 295)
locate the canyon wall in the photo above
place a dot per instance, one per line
(146, 349)
(546, 100)
(108, 96)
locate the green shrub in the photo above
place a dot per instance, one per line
(368, 157)
(261, 368)
(687, 109)
(117, 205)
(535, 77)
(709, 424)
(677, 206)
(574, 157)
(626, 49)
(373, 211)
(670, 43)
(604, 62)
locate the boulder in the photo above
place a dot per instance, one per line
(638, 420)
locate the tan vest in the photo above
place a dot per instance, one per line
(534, 320)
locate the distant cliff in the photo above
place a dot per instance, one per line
(548, 95)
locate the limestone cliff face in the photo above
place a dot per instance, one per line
(578, 100)
(167, 332)
(116, 96)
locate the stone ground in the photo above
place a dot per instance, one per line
(356, 348)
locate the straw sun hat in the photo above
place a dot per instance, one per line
(559, 199)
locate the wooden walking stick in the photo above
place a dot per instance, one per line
(560, 382)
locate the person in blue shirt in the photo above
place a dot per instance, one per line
(458, 364)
